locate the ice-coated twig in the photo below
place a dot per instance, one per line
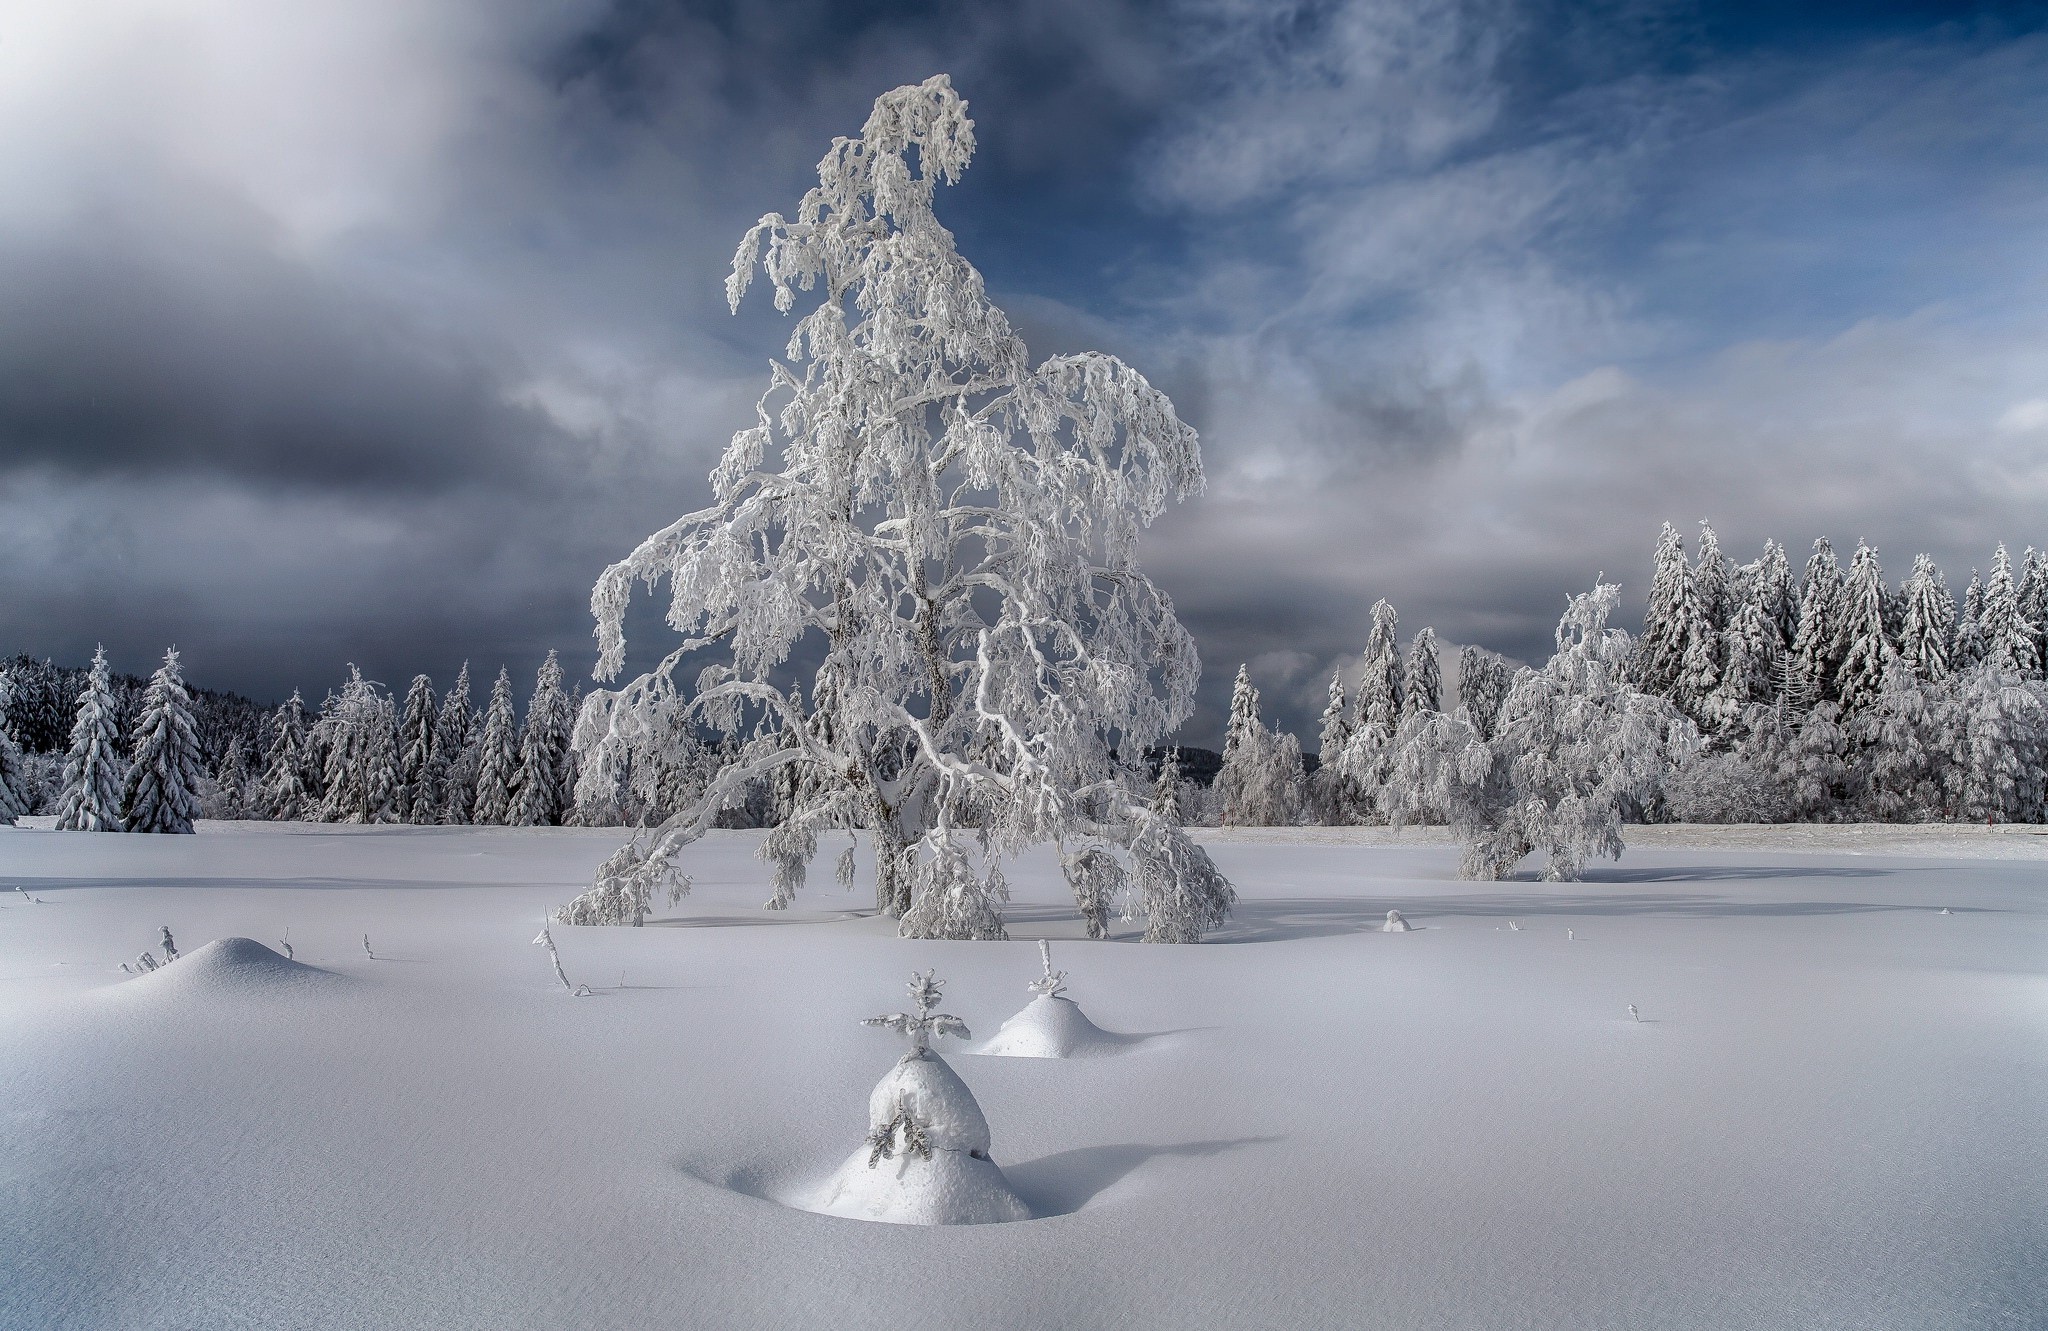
(882, 1144)
(1053, 983)
(170, 948)
(1514, 927)
(38, 901)
(547, 940)
(1634, 1015)
(925, 1023)
(286, 943)
(366, 948)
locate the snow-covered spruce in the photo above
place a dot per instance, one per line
(926, 1157)
(94, 768)
(497, 770)
(543, 787)
(1051, 1024)
(954, 533)
(1261, 782)
(160, 794)
(13, 787)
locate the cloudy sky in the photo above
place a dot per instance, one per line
(372, 330)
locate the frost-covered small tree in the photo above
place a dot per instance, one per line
(497, 771)
(954, 532)
(1672, 620)
(1332, 798)
(93, 770)
(1928, 622)
(1241, 723)
(282, 794)
(418, 798)
(13, 784)
(543, 792)
(1169, 793)
(1815, 767)
(230, 796)
(1868, 651)
(454, 764)
(1711, 578)
(1969, 647)
(358, 731)
(1423, 678)
(1261, 783)
(1817, 643)
(1577, 745)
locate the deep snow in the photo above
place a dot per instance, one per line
(1830, 1114)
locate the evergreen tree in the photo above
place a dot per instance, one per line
(2033, 603)
(1868, 650)
(93, 770)
(1672, 620)
(418, 793)
(1751, 651)
(1969, 646)
(359, 735)
(1770, 586)
(2009, 640)
(1927, 622)
(1379, 684)
(1711, 578)
(497, 758)
(161, 792)
(1815, 644)
(284, 795)
(231, 785)
(1168, 792)
(542, 795)
(1335, 733)
(1483, 681)
(14, 800)
(1896, 737)
(455, 753)
(1424, 677)
(1244, 713)
(1997, 726)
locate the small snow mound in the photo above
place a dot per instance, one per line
(239, 966)
(941, 1177)
(1052, 1027)
(1395, 924)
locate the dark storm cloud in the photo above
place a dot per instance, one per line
(373, 331)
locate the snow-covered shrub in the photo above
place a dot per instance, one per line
(954, 532)
(1725, 787)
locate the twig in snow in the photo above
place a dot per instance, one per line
(366, 948)
(1634, 1015)
(170, 948)
(286, 943)
(547, 940)
(38, 901)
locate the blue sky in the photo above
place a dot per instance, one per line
(373, 331)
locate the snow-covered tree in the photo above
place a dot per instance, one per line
(1672, 620)
(1969, 646)
(1378, 697)
(1897, 738)
(497, 770)
(1997, 728)
(1261, 783)
(1483, 683)
(1169, 792)
(418, 796)
(13, 784)
(358, 732)
(1768, 582)
(93, 771)
(1928, 622)
(1331, 796)
(2009, 640)
(161, 790)
(1750, 655)
(1576, 746)
(1423, 678)
(2032, 595)
(1867, 648)
(1710, 578)
(955, 533)
(230, 795)
(1817, 642)
(283, 794)
(1242, 721)
(544, 794)
(454, 766)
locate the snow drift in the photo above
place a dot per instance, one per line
(1052, 1026)
(229, 967)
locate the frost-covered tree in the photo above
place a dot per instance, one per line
(2009, 640)
(2032, 594)
(497, 769)
(13, 780)
(1483, 683)
(1751, 652)
(1576, 747)
(1815, 764)
(230, 796)
(544, 794)
(1867, 647)
(454, 765)
(418, 796)
(358, 732)
(1711, 579)
(1379, 682)
(1169, 792)
(1817, 642)
(1968, 647)
(282, 794)
(1897, 738)
(1331, 796)
(1261, 782)
(1997, 729)
(161, 790)
(1241, 724)
(1423, 678)
(1768, 582)
(1928, 622)
(1672, 621)
(955, 533)
(93, 770)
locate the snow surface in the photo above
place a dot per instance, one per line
(1829, 1116)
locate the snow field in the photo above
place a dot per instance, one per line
(1829, 1115)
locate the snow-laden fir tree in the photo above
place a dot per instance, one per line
(2032, 594)
(1815, 767)
(2009, 641)
(1576, 747)
(418, 795)
(1817, 642)
(1367, 759)
(1968, 647)
(13, 784)
(358, 732)
(282, 793)
(1483, 682)
(497, 769)
(1169, 793)
(453, 770)
(1423, 680)
(1672, 621)
(1996, 724)
(1332, 800)
(1897, 738)
(1928, 622)
(1768, 582)
(94, 769)
(1750, 655)
(1262, 783)
(1711, 578)
(230, 797)
(1242, 721)
(954, 532)
(1867, 648)
(544, 794)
